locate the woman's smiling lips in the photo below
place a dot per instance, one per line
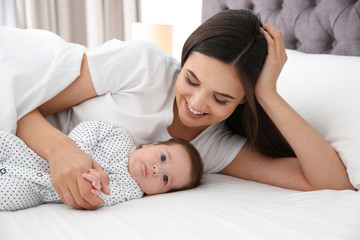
(192, 113)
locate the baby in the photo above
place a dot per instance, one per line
(152, 169)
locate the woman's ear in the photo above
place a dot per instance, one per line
(243, 100)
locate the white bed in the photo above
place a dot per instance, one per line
(325, 90)
(222, 208)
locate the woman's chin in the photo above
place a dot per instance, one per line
(193, 123)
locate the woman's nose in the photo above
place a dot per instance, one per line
(198, 102)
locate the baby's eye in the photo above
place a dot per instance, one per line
(163, 158)
(165, 179)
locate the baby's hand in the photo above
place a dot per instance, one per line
(94, 177)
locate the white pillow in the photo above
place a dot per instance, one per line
(325, 90)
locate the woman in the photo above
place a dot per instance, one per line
(227, 85)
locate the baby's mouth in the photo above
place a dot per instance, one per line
(146, 171)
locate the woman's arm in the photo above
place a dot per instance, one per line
(67, 161)
(316, 166)
(77, 92)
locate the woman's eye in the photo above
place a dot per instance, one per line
(165, 179)
(190, 82)
(220, 101)
(163, 158)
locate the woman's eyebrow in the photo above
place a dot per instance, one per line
(222, 94)
(168, 155)
(225, 95)
(192, 74)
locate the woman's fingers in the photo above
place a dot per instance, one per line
(86, 197)
(274, 62)
(65, 195)
(275, 41)
(270, 41)
(74, 198)
(69, 200)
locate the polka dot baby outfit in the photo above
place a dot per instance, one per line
(25, 177)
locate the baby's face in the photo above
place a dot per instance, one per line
(160, 168)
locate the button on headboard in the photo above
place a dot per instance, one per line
(312, 26)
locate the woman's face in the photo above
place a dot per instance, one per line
(207, 91)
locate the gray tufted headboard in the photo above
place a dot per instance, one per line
(312, 26)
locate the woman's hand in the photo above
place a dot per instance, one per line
(66, 168)
(274, 62)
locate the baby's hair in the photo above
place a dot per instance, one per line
(197, 167)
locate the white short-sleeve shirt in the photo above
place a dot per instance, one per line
(135, 81)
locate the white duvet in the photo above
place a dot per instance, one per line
(35, 65)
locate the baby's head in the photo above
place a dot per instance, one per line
(166, 166)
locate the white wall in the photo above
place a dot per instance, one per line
(184, 15)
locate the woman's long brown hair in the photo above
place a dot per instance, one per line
(234, 37)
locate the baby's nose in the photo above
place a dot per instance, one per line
(156, 170)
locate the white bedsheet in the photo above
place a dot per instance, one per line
(222, 207)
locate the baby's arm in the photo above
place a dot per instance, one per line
(94, 177)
